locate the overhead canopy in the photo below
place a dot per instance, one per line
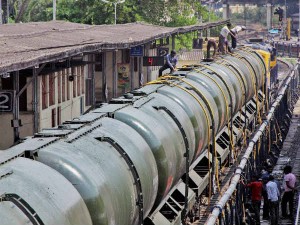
(25, 45)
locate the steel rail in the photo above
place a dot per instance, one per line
(297, 220)
(218, 207)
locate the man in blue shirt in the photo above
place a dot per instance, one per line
(273, 196)
(171, 61)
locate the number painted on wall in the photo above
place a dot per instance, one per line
(6, 101)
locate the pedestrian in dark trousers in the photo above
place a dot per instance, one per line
(256, 194)
(273, 196)
(171, 61)
(289, 182)
(235, 31)
(265, 178)
(225, 31)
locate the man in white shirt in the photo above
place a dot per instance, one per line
(235, 31)
(223, 37)
(273, 196)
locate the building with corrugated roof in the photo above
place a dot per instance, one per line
(55, 71)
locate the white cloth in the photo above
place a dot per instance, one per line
(225, 31)
(237, 29)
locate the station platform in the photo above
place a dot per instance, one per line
(290, 155)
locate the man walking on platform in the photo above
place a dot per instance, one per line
(273, 196)
(289, 182)
(256, 194)
(265, 179)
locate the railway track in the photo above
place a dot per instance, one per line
(285, 70)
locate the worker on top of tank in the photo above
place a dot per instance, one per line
(235, 31)
(171, 61)
(211, 43)
(223, 37)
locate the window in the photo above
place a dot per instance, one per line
(67, 71)
(74, 81)
(58, 115)
(126, 56)
(78, 78)
(98, 62)
(63, 86)
(45, 92)
(52, 89)
(135, 64)
(59, 87)
(53, 117)
(82, 79)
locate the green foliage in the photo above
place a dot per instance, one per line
(170, 13)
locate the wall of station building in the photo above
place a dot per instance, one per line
(124, 81)
(7, 132)
(60, 100)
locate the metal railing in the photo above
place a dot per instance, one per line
(235, 193)
(297, 220)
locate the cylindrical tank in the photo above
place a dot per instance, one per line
(101, 174)
(125, 161)
(155, 117)
(27, 186)
(193, 110)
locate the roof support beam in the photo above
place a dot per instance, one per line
(29, 82)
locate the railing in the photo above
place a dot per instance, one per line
(232, 200)
(285, 49)
(297, 220)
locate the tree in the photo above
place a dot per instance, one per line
(171, 13)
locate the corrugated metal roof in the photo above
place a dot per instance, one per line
(28, 44)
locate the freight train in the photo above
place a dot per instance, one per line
(142, 158)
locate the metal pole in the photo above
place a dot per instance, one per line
(298, 212)
(93, 94)
(209, 11)
(104, 80)
(115, 3)
(285, 22)
(35, 101)
(115, 74)
(16, 112)
(131, 73)
(54, 9)
(1, 12)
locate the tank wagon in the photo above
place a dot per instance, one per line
(127, 161)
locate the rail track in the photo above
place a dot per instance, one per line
(285, 71)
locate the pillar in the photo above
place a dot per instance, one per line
(269, 16)
(225, 11)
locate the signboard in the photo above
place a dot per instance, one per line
(123, 75)
(6, 101)
(153, 60)
(162, 51)
(136, 51)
